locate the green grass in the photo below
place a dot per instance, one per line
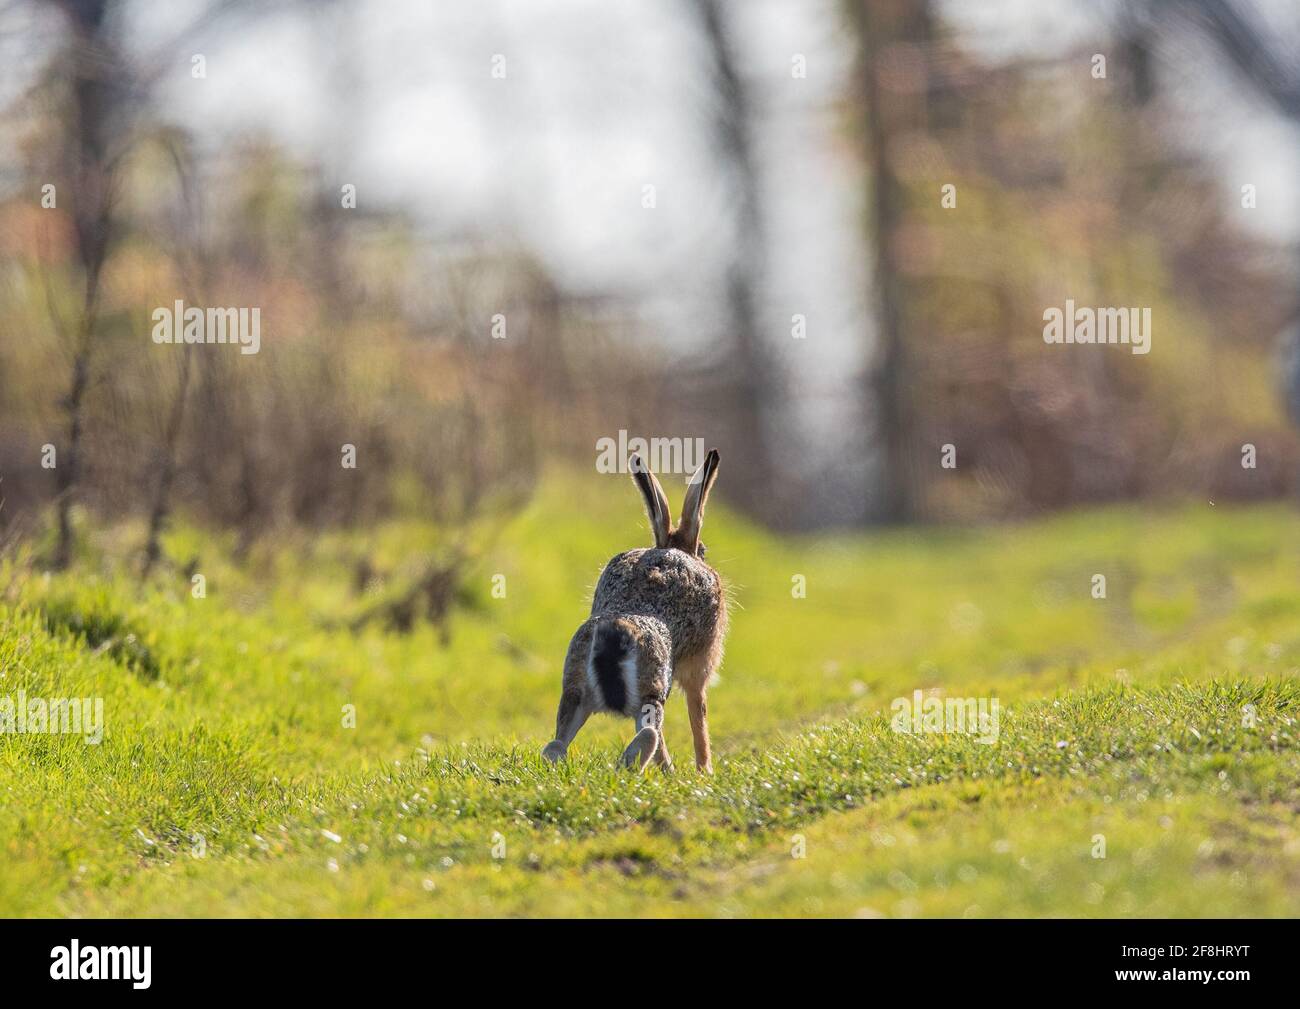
(1162, 719)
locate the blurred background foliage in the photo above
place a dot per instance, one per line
(377, 326)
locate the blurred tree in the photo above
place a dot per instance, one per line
(1269, 64)
(895, 42)
(189, 253)
(755, 388)
(95, 123)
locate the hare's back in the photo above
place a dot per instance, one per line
(681, 590)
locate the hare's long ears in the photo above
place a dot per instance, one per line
(656, 504)
(696, 494)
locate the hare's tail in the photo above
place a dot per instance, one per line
(612, 666)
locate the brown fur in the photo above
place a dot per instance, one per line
(664, 610)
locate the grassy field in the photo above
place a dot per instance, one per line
(1157, 727)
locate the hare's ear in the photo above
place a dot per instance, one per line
(656, 504)
(696, 494)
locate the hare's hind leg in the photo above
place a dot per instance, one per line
(648, 742)
(643, 746)
(575, 706)
(571, 717)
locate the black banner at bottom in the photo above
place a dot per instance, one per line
(145, 958)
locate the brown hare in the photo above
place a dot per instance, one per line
(659, 615)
